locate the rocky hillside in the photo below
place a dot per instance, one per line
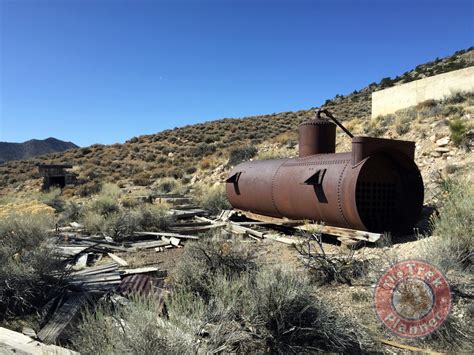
(202, 151)
(32, 148)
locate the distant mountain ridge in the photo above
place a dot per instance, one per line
(32, 148)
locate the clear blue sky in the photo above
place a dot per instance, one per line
(104, 71)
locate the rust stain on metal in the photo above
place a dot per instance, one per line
(376, 187)
(137, 284)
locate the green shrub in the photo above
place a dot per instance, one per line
(107, 200)
(452, 247)
(212, 199)
(154, 218)
(456, 98)
(93, 222)
(272, 311)
(209, 257)
(202, 149)
(291, 319)
(52, 198)
(72, 212)
(238, 155)
(169, 185)
(458, 131)
(120, 225)
(29, 267)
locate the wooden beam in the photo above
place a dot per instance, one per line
(281, 239)
(141, 270)
(166, 234)
(117, 259)
(16, 343)
(409, 347)
(61, 318)
(342, 232)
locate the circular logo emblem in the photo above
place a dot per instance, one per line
(412, 298)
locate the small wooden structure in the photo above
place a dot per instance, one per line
(56, 175)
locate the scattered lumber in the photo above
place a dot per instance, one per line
(16, 343)
(198, 229)
(269, 220)
(182, 214)
(141, 270)
(70, 251)
(281, 239)
(117, 259)
(148, 245)
(342, 232)
(165, 234)
(234, 227)
(346, 236)
(96, 270)
(61, 318)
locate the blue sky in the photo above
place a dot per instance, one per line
(104, 71)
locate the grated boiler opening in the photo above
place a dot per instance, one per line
(388, 194)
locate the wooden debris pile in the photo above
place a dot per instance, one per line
(287, 231)
(97, 266)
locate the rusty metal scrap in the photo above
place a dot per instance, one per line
(376, 187)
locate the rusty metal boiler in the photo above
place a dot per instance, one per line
(376, 187)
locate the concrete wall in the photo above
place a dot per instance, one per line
(434, 87)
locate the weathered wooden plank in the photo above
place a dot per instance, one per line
(281, 239)
(198, 229)
(330, 230)
(100, 278)
(272, 220)
(61, 318)
(70, 250)
(342, 232)
(96, 270)
(166, 234)
(190, 224)
(236, 227)
(180, 214)
(148, 245)
(409, 347)
(141, 270)
(13, 343)
(117, 259)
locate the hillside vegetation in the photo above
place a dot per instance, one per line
(182, 153)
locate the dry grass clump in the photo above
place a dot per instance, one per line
(341, 268)
(169, 186)
(28, 265)
(452, 247)
(231, 305)
(240, 154)
(125, 221)
(210, 257)
(107, 215)
(458, 133)
(211, 198)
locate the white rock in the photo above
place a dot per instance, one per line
(442, 142)
(442, 150)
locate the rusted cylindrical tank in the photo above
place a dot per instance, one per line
(317, 137)
(377, 187)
